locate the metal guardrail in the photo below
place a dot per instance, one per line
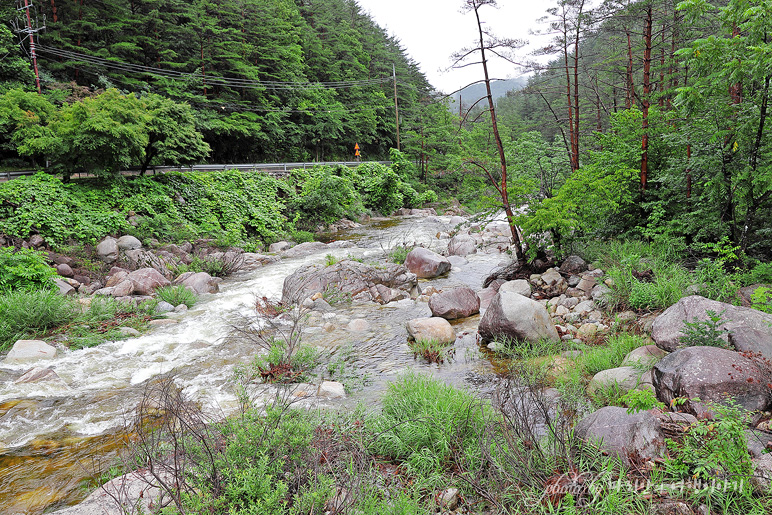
(275, 169)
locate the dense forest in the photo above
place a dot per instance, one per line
(648, 120)
(267, 80)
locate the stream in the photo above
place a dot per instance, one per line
(55, 435)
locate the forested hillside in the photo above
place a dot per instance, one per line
(267, 79)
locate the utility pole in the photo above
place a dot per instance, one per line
(31, 33)
(396, 104)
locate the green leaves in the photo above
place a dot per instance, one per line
(24, 270)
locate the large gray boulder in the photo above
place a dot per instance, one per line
(129, 243)
(29, 350)
(624, 378)
(347, 278)
(107, 250)
(456, 303)
(426, 264)
(135, 492)
(749, 329)
(516, 317)
(573, 265)
(147, 280)
(199, 283)
(304, 249)
(519, 286)
(617, 432)
(431, 329)
(712, 374)
(462, 245)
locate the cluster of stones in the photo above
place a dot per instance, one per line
(701, 375)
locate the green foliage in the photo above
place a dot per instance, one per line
(432, 350)
(330, 260)
(325, 197)
(428, 197)
(381, 188)
(176, 295)
(28, 313)
(761, 299)
(714, 449)
(597, 359)
(283, 363)
(706, 332)
(425, 422)
(24, 269)
(399, 253)
(334, 296)
(641, 400)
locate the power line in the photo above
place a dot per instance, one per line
(220, 81)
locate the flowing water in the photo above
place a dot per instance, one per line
(54, 435)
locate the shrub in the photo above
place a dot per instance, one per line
(25, 313)
(381, 188)
(176, 295)
(761, 299)
(432, 350)
(428, 197)
(399, 254)
(705, 332)
(425, 422)
(714, 449)
(326, 197)
(24, 270)
(641, 400)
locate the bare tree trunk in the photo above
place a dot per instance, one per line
(499, 145)
(646, 101)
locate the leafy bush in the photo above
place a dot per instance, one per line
(381, 188)
(399, 254)
(714, 449)
(326, 197)
(641, 400)
(761, 299)
(176, 295)
(428, 197)
(24, 270)
(705, 332)
(284, 365)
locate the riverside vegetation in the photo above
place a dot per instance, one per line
(669, 194)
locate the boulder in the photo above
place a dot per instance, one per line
(38, 375)
(617, 432)
(456, 303)
(643, 357)
(29, 350)
(64, 270)
(462, 245)
(36, 241)
(625, 378)
(426, 264)
(455, 220)
(304, 249)
(586, 284)
(486, 296)
(279, 246)
(519, 286)
(65, 288)
(711, 374)
(434, 328)
(331, 390)
(147, 280)
(516, 317)
(199, 283)
(107, 250)
(123, 288)
(118, 277)
(554, 282)
(573, 265)
(347, 278)
(163, 307)
(749, 328)
(135, 492)
(129, 243)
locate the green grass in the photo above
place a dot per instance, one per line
(431, 350)
(25, 314)
(176, 295)
(425, 422)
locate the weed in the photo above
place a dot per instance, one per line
(30, 313)
(399, 253)
(641, 400)
(278, 365)
(334, 296)
(432, 350)
(705, 332)
(761, 299)
(341, 369)
(24, 269)
(330, 260)
(597, 359)
(176, 295)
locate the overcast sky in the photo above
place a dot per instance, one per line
(431, 30)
